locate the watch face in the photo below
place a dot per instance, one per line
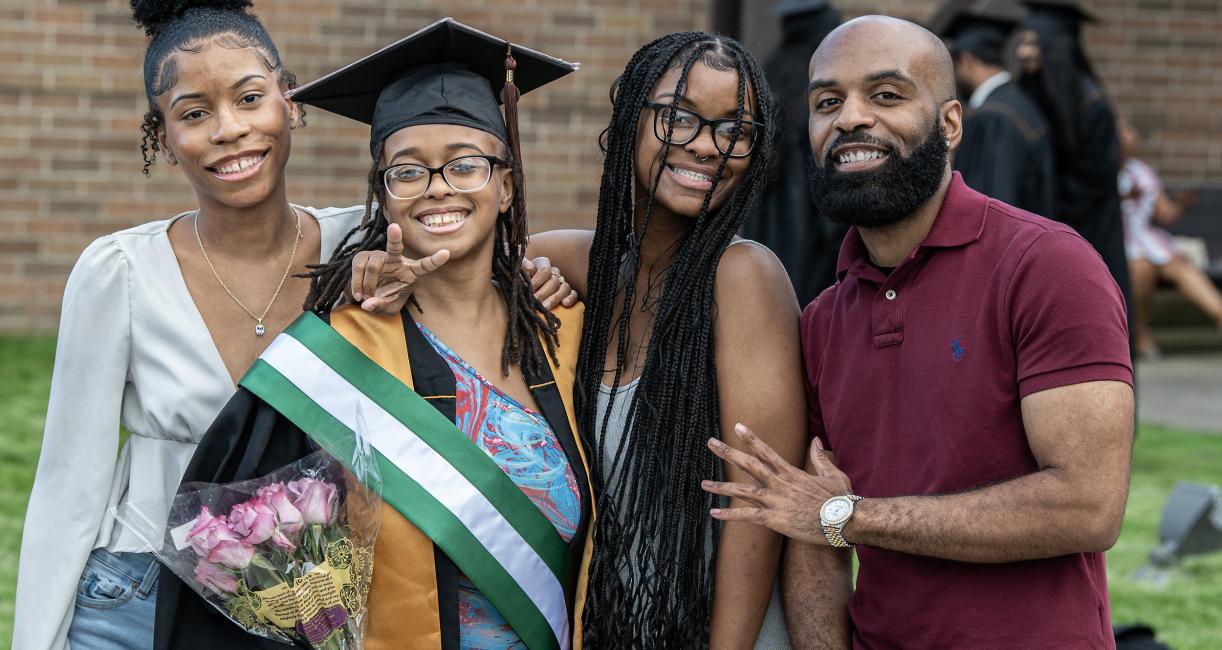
(835, 510)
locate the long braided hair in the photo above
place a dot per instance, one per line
(528, 319)
(181, 25)
(651, 577)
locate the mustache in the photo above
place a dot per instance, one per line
(858, 137)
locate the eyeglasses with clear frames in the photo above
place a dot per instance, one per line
(689, 124)
(464, 174)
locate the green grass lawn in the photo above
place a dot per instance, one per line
(1187, 611)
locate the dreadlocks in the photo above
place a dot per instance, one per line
(651, 577)
(528, 319)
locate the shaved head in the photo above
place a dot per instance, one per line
(885, 43)
(883, 121)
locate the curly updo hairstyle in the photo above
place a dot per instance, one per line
(182, 26)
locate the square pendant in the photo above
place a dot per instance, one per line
(259, 329)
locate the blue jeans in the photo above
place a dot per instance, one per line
(115, 602)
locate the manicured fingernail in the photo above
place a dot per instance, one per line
(706, 484)
(819, 443)
(714, 442)
(716, 512)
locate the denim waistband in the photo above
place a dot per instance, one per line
(140, 568)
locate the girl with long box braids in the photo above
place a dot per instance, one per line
(688, 331)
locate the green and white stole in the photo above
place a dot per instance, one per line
(432, 473)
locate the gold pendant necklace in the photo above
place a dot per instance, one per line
(259, 329)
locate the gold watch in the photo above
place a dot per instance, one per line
(834, 515)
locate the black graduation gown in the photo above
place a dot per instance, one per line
(1006, 152)
(250, 439)
(1088, 198)
(788, 222)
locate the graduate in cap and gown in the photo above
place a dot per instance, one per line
(1006, 152)
(466, 392)
(786, 220)
(1054, 71)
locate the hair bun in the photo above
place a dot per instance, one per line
(153, 15)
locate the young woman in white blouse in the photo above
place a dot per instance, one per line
(160, 321)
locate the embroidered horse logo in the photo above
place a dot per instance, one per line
(957, 350)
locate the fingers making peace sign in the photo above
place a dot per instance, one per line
(784, 498)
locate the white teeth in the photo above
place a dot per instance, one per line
(441, 218)
(860, 155)
(240, 164)
(687, 173)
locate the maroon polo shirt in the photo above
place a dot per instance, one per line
(914, 382)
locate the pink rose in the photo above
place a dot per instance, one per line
(253, 521)
(315, 499)
(231, 553)
(208, 531)
(219, 580)
(288, 518)
(279, 539)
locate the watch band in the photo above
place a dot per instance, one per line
(835, 537)
(835, 534)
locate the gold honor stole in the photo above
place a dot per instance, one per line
(432, 474)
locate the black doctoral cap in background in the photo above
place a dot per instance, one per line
(1072, 10)
(446, 73)
(956, 17)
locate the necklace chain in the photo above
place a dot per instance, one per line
(259, 329)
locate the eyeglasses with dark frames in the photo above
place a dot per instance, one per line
(465, 174)
(688, 124)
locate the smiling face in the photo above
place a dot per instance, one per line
(227, 124)
(882, 120)
(688, 170)
(442, 217)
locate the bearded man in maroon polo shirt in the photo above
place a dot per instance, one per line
(969, 370)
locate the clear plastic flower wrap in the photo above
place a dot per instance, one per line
(287, 556)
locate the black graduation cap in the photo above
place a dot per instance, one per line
(446, 73)
(1073, 10)
(954, 18)
(784, 8)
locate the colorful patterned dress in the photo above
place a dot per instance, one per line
(522, 444)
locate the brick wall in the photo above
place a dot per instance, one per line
(71, 100)
(1161, 61)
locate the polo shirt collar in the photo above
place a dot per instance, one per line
(959, 222)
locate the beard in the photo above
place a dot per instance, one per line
(883, 196)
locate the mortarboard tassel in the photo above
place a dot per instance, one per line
(509, 97)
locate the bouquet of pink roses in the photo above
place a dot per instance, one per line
(288, 556)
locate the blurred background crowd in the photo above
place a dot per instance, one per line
(1102, 114)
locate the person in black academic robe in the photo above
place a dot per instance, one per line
(1006, 151)
(784, 219)
(1057, 75)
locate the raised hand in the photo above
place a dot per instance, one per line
(381, 279)
(782, 497)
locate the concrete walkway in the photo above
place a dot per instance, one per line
(1182, 390)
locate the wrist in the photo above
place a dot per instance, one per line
(858, 529)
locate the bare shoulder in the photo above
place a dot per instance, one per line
(752, 282)
(568, 250)
(558, 243)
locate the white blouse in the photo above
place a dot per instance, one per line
(133, 350)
